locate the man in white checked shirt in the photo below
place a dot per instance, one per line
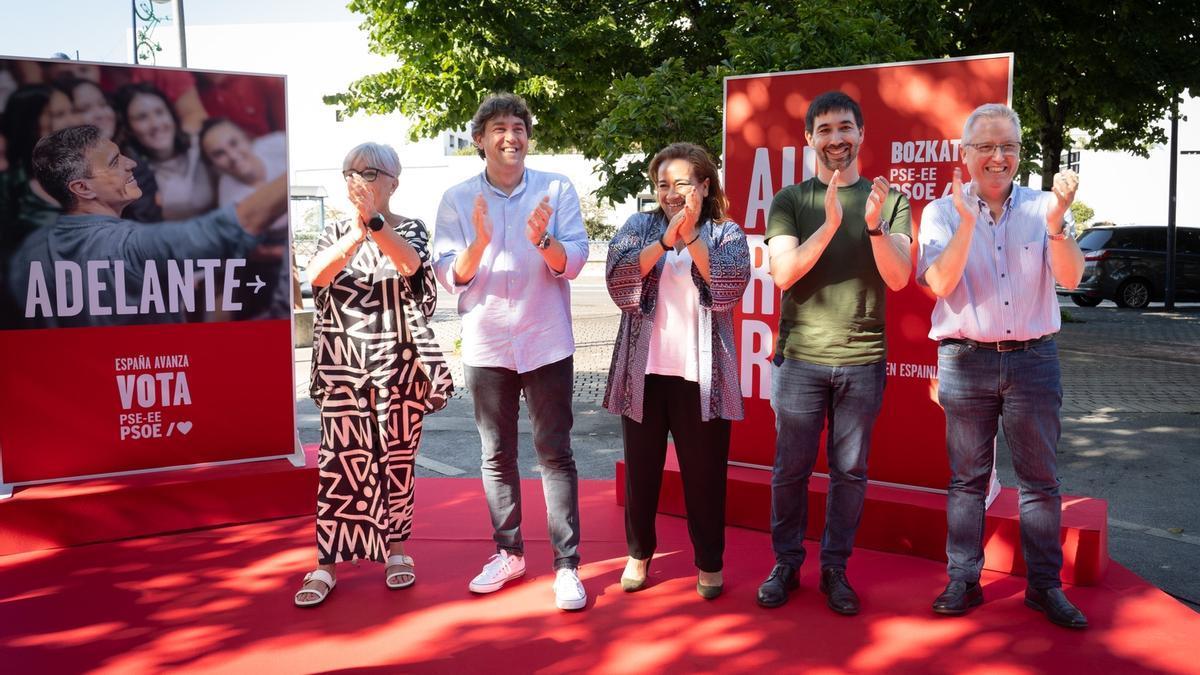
(992, 253)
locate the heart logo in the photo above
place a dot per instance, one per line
(184, 427)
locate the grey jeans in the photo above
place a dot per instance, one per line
(548, 390)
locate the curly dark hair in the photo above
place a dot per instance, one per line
(496, 105)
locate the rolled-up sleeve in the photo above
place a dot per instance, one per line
(932, 238)
(449, 241)
(570, 232)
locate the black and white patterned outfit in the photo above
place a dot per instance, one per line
(377, 370)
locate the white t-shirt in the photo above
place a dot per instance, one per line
(673, 347)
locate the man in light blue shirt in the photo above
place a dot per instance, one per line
(506, 243)
(991, 253)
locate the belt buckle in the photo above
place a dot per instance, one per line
(1016, 346)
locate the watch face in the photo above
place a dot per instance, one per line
(375, 223)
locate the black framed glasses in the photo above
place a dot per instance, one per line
(989, 149)
(368, 174)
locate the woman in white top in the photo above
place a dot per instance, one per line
(150, 129)
(677, 273)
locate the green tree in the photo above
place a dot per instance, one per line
(595, 221)
(1110, 69)
(618, 78)
(625, 77)
(1083, 214)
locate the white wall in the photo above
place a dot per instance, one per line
(1126, 189)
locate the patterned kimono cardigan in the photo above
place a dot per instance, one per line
(729, 265)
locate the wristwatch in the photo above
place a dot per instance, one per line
(376, 222)
(544, 242)
(879, 231)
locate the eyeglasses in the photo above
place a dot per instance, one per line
(989, 149)
(368, 174)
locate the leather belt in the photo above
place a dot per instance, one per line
(1001, 346)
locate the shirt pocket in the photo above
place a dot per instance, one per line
(1032, 257)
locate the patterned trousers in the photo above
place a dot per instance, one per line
(369, 444)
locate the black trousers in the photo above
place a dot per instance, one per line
(673, 404)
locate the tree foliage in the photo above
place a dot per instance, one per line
(1111, 69)
(608, 79)
(623, 78)
(1082, 214)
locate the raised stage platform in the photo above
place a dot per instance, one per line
(219, 600)
(912, 522)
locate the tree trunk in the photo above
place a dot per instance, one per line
(1052, 147)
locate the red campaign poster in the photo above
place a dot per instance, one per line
(913, 115)
(145, 272)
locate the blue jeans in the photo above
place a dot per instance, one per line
(805, 395)
(496, 393)
(979, 389)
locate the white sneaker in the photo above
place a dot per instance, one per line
(497, 571)
(568, 590)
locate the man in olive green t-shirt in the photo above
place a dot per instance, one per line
(835, 241)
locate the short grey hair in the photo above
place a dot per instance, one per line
(377, 155)
(990, 111)
(61, 158)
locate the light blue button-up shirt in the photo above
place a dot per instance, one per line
(516, 311)
(1007, 288)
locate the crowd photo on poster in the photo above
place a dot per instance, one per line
(192, 222)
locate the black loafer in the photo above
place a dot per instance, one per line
(839, 596)
(1055, 605)
(774, 591)
(958, 598)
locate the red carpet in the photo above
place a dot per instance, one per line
(220, 601)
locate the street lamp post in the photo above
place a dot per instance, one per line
(1169, 291)
(182, 33)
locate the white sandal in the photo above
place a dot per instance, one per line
(315, 575)
(402, 578)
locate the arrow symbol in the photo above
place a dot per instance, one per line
(257, 284)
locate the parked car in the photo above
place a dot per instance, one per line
(1128, 265)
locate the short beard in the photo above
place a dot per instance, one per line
(838, 166)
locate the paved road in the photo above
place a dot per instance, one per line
(1131, 423)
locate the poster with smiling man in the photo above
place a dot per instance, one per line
(145, 287)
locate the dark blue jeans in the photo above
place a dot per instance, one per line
(979, 389)
(496, 393)
(805, 396)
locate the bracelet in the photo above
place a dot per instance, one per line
(662, 243)
(693, 240)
